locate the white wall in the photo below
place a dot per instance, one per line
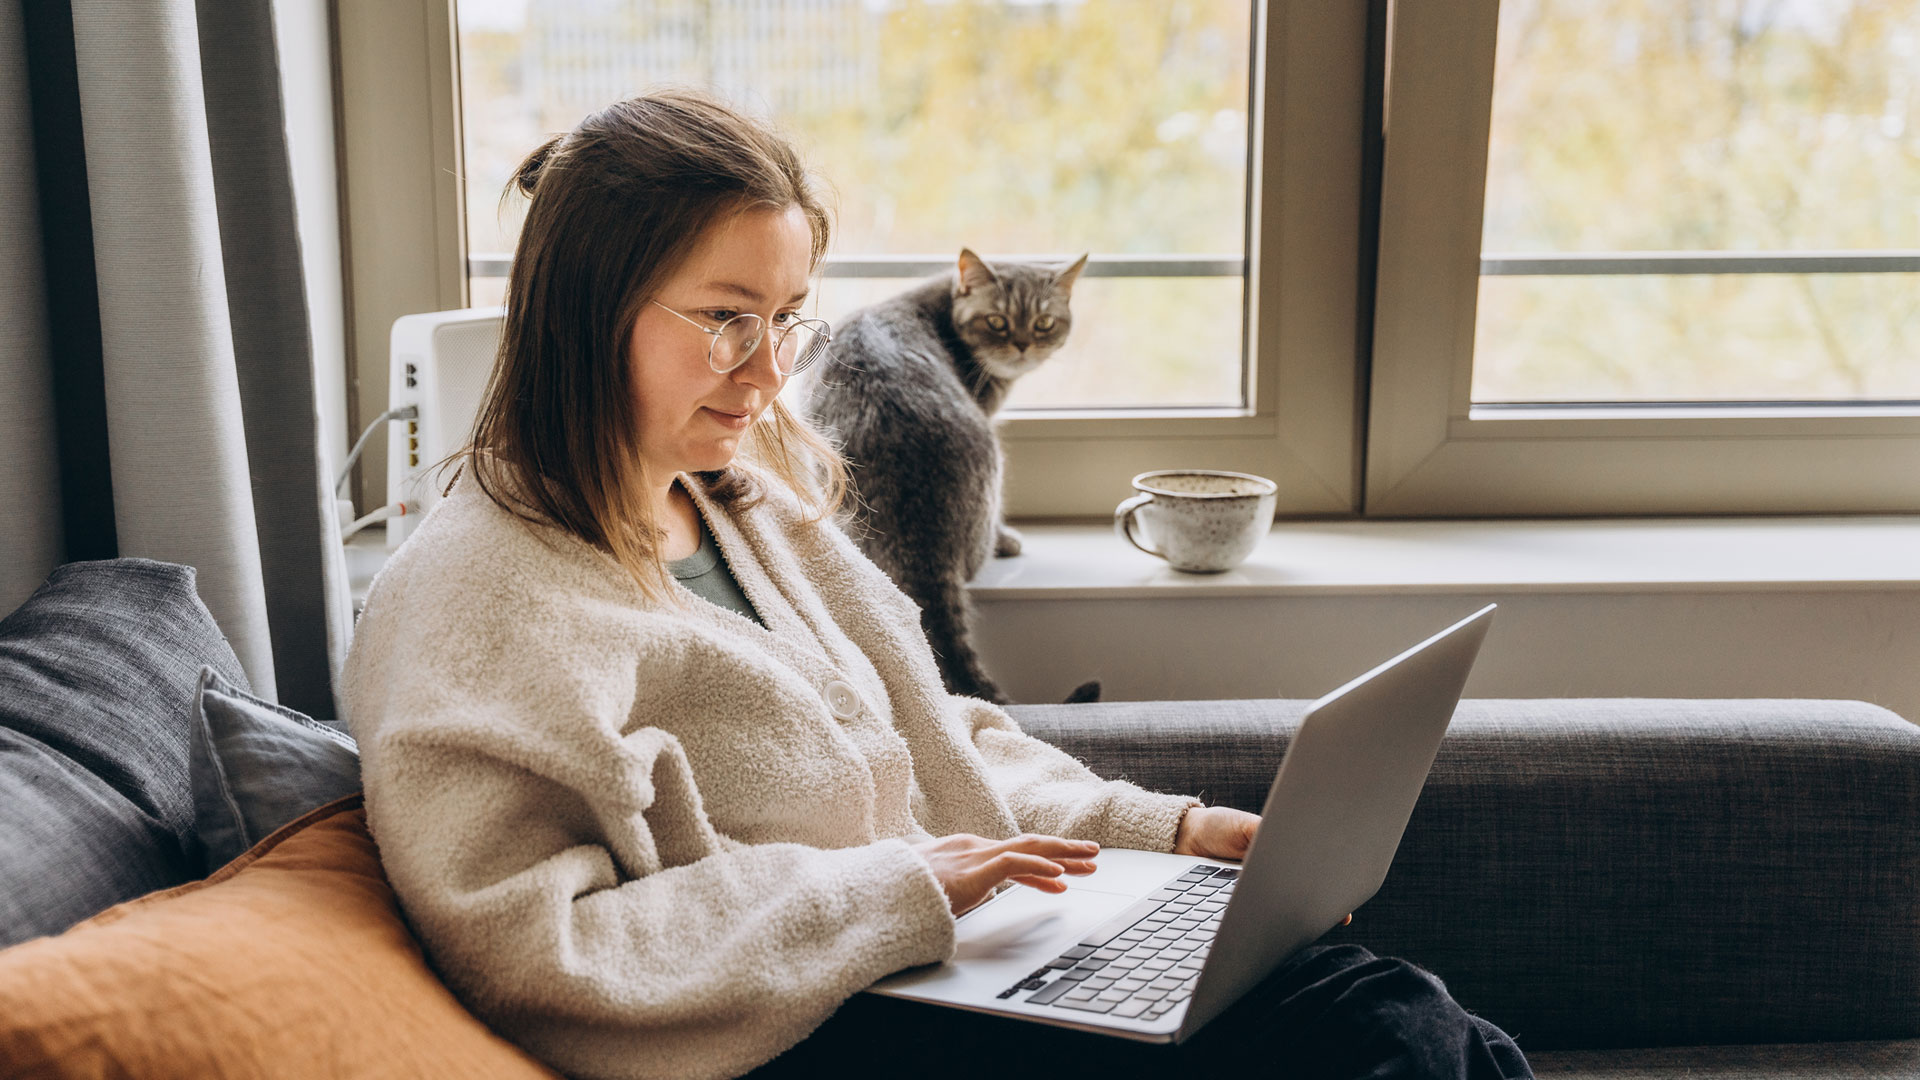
(1841, 643)
(306, 79)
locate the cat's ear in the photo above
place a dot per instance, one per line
(974, 272)
(1064, 282)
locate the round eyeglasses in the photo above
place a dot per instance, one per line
(795, 344)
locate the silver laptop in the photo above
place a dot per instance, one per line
(1152, 946)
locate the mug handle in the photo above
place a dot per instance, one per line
(1123, 522)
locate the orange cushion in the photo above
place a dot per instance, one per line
(291, 961)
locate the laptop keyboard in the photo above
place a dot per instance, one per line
(1145, 960)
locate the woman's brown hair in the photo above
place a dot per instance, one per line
(618, 203)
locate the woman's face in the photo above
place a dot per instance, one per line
(691, 417)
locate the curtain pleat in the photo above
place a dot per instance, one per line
(30, 478)
(181, 490)
(267, 309)
(70, 293)
(157, 391)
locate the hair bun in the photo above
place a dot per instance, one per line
(527, 176)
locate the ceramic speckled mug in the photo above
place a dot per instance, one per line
(1199, 520)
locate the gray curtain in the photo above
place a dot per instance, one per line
(156, 371)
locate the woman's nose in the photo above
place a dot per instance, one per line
(760, 368)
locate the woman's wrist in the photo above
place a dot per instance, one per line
(1180, 828)
(1215, 832)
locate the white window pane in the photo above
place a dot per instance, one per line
(1715, 125)
(1009, 126)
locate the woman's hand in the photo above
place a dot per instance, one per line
(1216, 832)
(970, 867)
(1220, 832)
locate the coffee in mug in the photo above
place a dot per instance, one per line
(1199, 520)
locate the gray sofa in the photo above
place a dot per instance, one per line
(1678, 888)
(1703, 889)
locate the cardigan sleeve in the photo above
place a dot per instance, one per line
(1051, 792)
(554, 858)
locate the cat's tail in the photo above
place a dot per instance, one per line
(947, 618)
(960, 666)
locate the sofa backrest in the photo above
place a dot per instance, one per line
(1596, 873)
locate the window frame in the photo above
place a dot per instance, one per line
(402, 207)
(401, 144)
(1302, 430)
(1431, 452)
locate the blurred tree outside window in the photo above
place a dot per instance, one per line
(1707, 126)
(1019, 128)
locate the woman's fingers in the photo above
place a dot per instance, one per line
(1052, 885)
(1052, 847)
(1009, 864)
(969, 867)
(1060, 856)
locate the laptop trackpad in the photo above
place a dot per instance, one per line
(1023, 922)
(1000, 942)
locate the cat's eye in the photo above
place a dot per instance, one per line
(1043, 324)
(997, 323)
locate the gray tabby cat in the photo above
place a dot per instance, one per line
(909, 393)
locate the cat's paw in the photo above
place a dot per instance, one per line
(1006, 543)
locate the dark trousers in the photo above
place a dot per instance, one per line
(1333, 1012)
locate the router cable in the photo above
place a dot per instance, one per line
(404, 412)
(391, 510)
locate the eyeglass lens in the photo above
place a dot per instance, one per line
(794, 347)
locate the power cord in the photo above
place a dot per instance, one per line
(345, 505)
(391, 510)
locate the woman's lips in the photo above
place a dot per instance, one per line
(737, 420)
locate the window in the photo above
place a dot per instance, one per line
(1631, 257)
(1207, 152)
(1649, 257)
(1701, 203)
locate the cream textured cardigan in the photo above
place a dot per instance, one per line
(636, 839)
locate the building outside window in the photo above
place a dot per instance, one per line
(1018, 129)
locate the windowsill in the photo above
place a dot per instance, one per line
(1641, 555)
(366, 553)
(1750, 554)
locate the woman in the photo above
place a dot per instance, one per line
(660, 767)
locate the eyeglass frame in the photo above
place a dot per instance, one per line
(818, 326)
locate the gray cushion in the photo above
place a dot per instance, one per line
(70, 845)
(1591, 873)
(96, 671)
(256, 766)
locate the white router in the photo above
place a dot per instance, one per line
(441, 360)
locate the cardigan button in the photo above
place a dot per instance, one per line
(842, 699)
